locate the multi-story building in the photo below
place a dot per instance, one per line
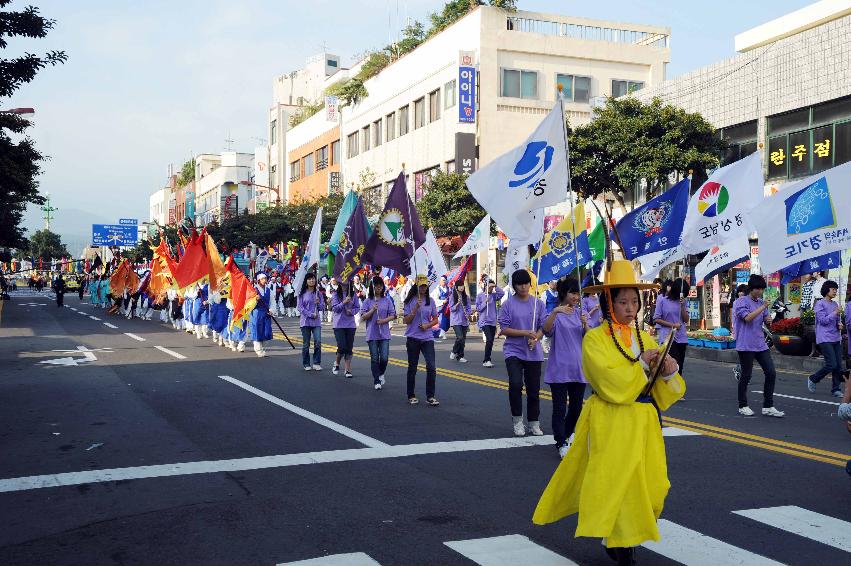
(222, 185)
(314, 160)
(159, 202)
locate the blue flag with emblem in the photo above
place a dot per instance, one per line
(820, 263)
(656, 225)
(562, 247)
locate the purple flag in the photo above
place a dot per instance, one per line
(398, 232)
(351, 245)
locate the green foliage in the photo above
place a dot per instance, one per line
(305, 112)
(349, 91)
(46, 245)
(21, 70)
(374, 64)
(186, 174)
(454, 10)
(448, 207)
(412, 36)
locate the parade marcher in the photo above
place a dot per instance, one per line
(550, 298)
(671, 315)
(378, 310)
(81, 286)
(260, 320)
(360, 292)
(237, 335)
(521, 321)
(201, 312)
(344, 304)
(218, 317)
(829, 339)
(460, 309)
(591, 306)
(188, 305)
(59, 289)
(420, 315)
(566, 325)
(311, 305)
(324, 287)
(487, 308)
(750, 312)
(443, 291)
(615, 474)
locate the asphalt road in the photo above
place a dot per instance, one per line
(120, 452)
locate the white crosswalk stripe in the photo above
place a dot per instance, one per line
(353, 559)
(803, 522)
(507, 551)
(696, 549)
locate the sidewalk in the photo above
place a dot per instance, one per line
(781, 362)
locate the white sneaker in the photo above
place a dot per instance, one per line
(261, 354)
(745, 411)
(562, 450)
(462, 360)
(335, 370)
(317, 367)
(772, 412)
(535, 428)
(487, 364)
(452, 356)
(307, 368)
(381, 379)
(241, 347)
(377, 386)
(519, 428)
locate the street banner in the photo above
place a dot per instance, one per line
(718, 211)
(261, 170)
(805, 219)
(656, 225)
(478, 240)
(429, 261)
(721, 258)
(531, 176)
(311, 252)
(821, 263)
(564, 249)
(467, 87)
(652, 264)
(398, 232)
(352, 244)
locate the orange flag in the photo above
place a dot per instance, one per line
(242, 294)
(217, 268)
(194, 267)
(118, 279)
(161, 280)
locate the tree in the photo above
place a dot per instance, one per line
(19, 161)
(187, 174)
(47, 245)
(307, 110)
(454, 10)
(448, 207)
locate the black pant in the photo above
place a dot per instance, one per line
(520, 373)
(489, 332)
(567, 404)
(460, 340)
(60, 298)
(414, 347)
(678, 352)
(764, 360)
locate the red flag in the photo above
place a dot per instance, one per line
(242, 294)
(194, 267)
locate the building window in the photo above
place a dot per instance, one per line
(273, 176)
(308, 165)
(352, 145)
(335, 152)
(376, 133)
(365, 139)
(403, 120)
(434, 106)
(519, 84)
(450, 97)
(331, 62)
(295, 171)
(390, 126)
(419, 113)
(450, 166)
(421, 182)
(273, 132)
(575, 89)
(622, 88)
(322, 158)
(740, 139)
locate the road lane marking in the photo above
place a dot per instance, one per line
(171, 353)
(803, 399)
(352, 559)
(336, 427)
(507, 551)
(803, 522)
(94, 318)
(134, 337)
(108, 325)
(695, 549)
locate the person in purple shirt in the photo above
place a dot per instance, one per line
(591, 306)
(521, 319)
(420, 314)
(829, 339)
(671, 315)
(460, 309)
(487, 309)
(565, 326)
(378, 310)
(310, 306)
(750, 313)
(345, 304)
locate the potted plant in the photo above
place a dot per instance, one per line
(789, 337)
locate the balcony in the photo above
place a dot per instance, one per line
(321, 164)
(593, 33)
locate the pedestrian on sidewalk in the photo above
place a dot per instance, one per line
(420, 315)
(345, 304)
(521, 321)
(671, 315)
(260, 320)
(565, 326)
(378, 310)
(487, 308)
(829, 339)
(311, 305)
(750, 312)
(460, 309)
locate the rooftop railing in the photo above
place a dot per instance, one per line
(594, 33)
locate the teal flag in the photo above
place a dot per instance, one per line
(346, 210)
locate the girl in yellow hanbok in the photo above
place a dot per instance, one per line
(615, 473)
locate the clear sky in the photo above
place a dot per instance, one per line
(149, 83)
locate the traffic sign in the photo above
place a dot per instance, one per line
(128, 221)
(114, 235)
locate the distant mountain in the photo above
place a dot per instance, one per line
(73, 225)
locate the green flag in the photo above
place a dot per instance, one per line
(597, 242)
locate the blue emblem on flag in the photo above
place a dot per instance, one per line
(657, 225)
(810, 209)
(561, 243)
(536, 159)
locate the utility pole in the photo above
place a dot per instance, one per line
(48, 212)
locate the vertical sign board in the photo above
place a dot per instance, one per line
(465, 153)
(190, 205)
(467, 87)
(261, 166)
(332, 109)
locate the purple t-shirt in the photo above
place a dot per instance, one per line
(386, 308)
(343, 316)
(670, 311)
(423, 316)
(595, 318)
(486, 306)
(827, 321)
(518, 315)
(848, 322)
(565, 362)
(749, 337)
(459, 315)
(307, 309)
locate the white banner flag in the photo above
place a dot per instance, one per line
(429, 261)
(517, 257)
(311, 252)
(531, 176)
(478, 240)
(652, 264)
(719, 257)
(805, 219)
(718, 211)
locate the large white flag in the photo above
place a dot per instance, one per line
(718, 211)
(311, 252)
(721, 257)
(517, 257)
(478, 240)
(428, 260)
(531, 176)
(652, 264)
(805, 219)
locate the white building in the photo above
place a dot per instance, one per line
(222, 185)
(158, 205)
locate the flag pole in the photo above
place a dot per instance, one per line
(572, 195)
(410, 216)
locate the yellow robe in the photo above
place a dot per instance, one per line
(615, 474)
